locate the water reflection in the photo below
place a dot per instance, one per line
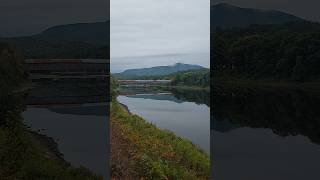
(262, 133)
(285, 112)
(198, 96)
(183, 112)
(75, 115)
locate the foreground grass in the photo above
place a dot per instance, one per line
(155, 153)
(23, 156)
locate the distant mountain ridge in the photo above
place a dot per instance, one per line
(225, 15)
(93, 33)
(158, 70)
(81, 40)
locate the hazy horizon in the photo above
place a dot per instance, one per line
(121, 64)
(164, 27)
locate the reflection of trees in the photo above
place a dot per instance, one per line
(197, 96)
(189, 95)
(68, 92)
(285, 112)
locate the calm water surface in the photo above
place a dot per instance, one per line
(80, 129)
(183, 112)
(263, 134)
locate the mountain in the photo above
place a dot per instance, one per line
(224, 15)
(82, 40)
(92, 33)
(158, 70)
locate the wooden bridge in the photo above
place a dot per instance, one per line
(76, 69)
(143, 82)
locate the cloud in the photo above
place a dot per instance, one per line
(148, 27)
(152, 27)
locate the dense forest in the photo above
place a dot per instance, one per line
(192, 78)
(289, 51)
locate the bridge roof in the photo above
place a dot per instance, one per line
(67, 61)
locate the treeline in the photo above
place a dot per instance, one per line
(199, 77)
(11, 70)
(288, 51)
(192, 78)
(113, 87)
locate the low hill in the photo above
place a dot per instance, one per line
(84, 40)
(92, 33)
(156, 71)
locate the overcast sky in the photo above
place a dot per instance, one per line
(159, 28)
(25, 17)
(307, 9)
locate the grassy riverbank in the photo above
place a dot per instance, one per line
(141, 150)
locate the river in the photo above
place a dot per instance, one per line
(75, 116)
(184, 112)
(265, 134)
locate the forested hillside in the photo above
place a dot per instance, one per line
(199, 78)
(225, 15)
(156, 71)
(289, 51)
(84, 40)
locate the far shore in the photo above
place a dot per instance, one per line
(313, 86)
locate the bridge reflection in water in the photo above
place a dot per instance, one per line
(64, 92)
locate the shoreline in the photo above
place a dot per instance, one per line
(190, 87)
(143, 139)
(50, 146)
(180, 87)
(312, 86)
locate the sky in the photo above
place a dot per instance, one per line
(159, 28)
(27, 17)
(178, 29)
(307, 9)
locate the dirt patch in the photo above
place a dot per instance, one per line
(120, 153)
